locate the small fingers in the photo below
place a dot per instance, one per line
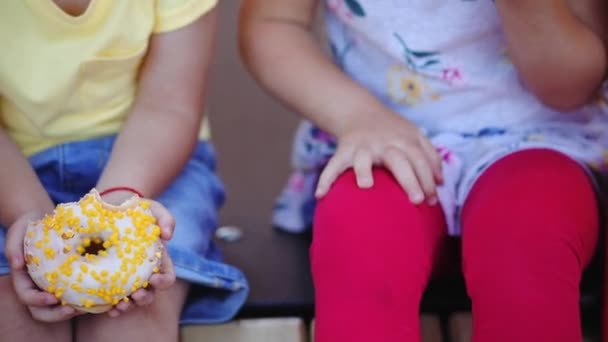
(397, 162)
(113, 313)
(336, 166)
(143, 297)
(53, 314)
(166, 277)
(362, 165)
(14, 243)
(424, 174)
(165, 220)
(162, 281)
(433, 157)
(123, 306)
(28, 293)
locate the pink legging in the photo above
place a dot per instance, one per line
(530, 225)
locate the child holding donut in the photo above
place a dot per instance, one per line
(471, 118)
(110, 94)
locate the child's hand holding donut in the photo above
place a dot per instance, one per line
(42, 305)
(96, 255)
(159, 281)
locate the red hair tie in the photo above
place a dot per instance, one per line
(121, 188)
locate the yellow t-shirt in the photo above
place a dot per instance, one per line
(66, 77)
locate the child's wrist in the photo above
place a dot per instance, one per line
(365, 119)
(119, 194)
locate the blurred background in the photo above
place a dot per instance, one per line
(251, 132)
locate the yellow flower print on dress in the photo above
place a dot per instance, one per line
(406, 87)
(406, 84)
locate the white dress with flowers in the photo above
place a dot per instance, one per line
(443, 65)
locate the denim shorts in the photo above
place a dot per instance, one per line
(70, 170)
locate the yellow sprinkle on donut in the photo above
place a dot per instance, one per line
(36, 261)
(49, 253)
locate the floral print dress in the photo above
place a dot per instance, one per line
(443, 65)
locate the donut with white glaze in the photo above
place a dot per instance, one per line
(91, 255)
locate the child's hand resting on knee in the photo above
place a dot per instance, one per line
(396, 144)
(368, 132)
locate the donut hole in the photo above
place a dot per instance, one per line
(94, 247)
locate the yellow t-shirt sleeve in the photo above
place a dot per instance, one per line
(174, 14)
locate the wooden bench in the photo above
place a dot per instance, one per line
(277, 266)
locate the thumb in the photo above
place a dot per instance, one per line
(165, 220)
(14, 243)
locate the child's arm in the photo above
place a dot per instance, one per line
(20, 189)
(280, 50)
(162, 129)
(560, 58)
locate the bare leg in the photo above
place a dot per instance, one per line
(430, 328)
(461, 327)
(17, 325)
(158, 321)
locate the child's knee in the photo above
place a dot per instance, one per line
(531, 178)
(348, 207)
(345, 192)
(531, 217)
(535, 195)
(350, 215)
(374, 231)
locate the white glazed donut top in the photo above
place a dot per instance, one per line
(92, 255)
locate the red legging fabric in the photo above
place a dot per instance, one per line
(530, 225)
